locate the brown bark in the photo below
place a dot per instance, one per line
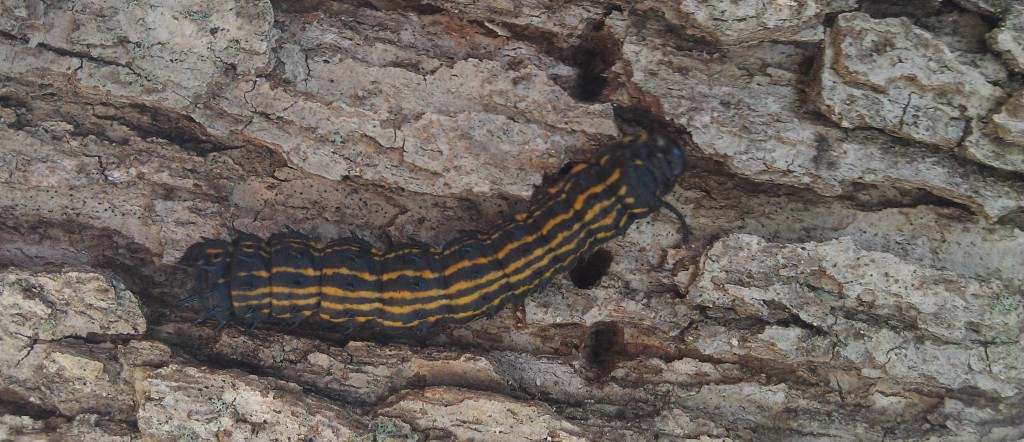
(855, 198)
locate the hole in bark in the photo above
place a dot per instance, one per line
(876, 197)
(602, 345)
(1014, 219)
(588, 272)
(597, 52)
(174, 127)
(642, 116)
(913, 8)
(11, 401)
(781, 314)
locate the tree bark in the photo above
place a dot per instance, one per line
(855, 194)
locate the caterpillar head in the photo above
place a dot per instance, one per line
(668, 151)
(654, 159)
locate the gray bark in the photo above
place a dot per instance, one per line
(855, 195)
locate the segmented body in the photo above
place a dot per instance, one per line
(350, 283)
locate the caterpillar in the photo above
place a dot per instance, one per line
(350, 283)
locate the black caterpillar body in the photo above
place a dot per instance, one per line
(350, 283)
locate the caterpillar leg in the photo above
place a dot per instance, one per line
(296, 318)
(519, 311)
(684, 228)
(222, 320)
(250, 315)
(256, 321)
(217, 312)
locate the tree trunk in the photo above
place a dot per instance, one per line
(855, 192)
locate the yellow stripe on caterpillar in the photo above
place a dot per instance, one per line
(348, 281)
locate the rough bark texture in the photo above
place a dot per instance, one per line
(856, 196)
